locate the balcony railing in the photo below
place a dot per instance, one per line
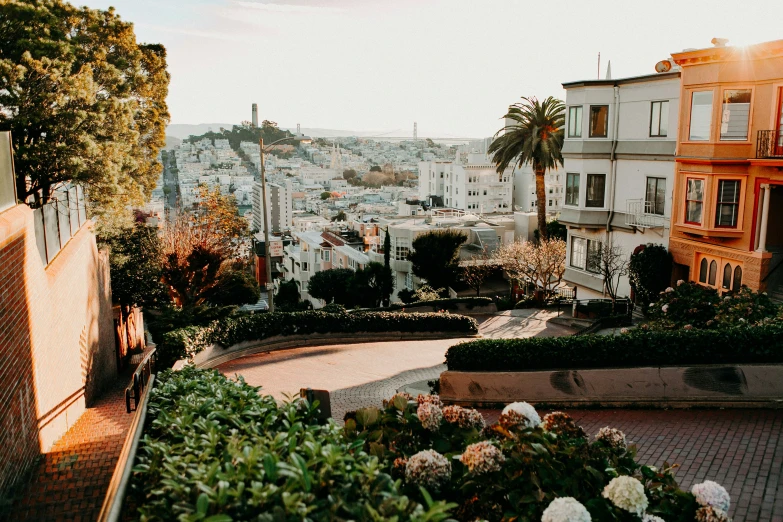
(641, 214)
(769, 144)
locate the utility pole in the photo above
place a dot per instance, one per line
(270, 290)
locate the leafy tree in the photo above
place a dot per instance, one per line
(478, 269)
(325, 195)
(136, 262)
(340, 216)
(435, 256)
(536, 137)
(375, 168)
(555, 229)
(349, 174)
(649, 272)
(234, 287)
(372, 283)
(287, 297)
(331, 285)
(192, 277)
(84, 102)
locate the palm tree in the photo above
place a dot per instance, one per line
(533, 134)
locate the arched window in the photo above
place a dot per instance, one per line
(713, 272)
(727, 277)
(703, 271)
(737, 279)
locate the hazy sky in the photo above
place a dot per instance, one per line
(451, 65)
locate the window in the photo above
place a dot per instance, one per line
(703, 271)
(701, 116)
(572, 189)
(304, 267)
(550, 202)
(735, 115)
(326, 255)
(713, 273)
(659, 118)
(599, 121)
(578, 252)
(401, 251)
(655, 197)
(737, 284)
(694, 198)
(575, 122)
(728, 203)
(586, 254)
(594, 256)
(595, 190)
(727, 277)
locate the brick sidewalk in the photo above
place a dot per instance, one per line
(72, 478)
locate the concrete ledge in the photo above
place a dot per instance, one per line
(215, 355)
(735, 386)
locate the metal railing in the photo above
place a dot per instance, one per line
(59, 220)
(641, 214)
(769, 144)
(141, 375)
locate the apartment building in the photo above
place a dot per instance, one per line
(727, 217)
(280, 213)
(618, 153)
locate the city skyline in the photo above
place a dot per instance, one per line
(453, 66)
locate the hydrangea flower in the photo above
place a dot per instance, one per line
(688, 327)
(565, 509)
(482, 457)
(712, 494)
(614, 438)
(562, 424)
(428, 468)
(430, 416)
(680, 282)
(665, 308)
(651, 518)
(528, 413)
(463, 417)
(432, 399)
(711, 514)
(624, 330)
(626, 493)
(669, 290)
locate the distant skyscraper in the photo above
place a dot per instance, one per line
(255, 115)
(337, 159)
(415, 132)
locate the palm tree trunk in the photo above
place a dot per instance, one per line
(541, 201)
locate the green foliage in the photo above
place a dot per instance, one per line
(325, 195)
(535, 136)
(690, 305)
(372, 284)
(736, 345)
(230, 330)
(136, 264)
(555, 229)
(375, 168)
(406, 295)
(349, 174)
(649, 272)
(435, 256)
(239, 133)
(215, 450)
(331, 285)
(84, 101)
(552, 460)
(287, 297)
(334, 308)
(234, 287)
(340, 216)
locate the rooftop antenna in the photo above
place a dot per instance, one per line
(598, 71)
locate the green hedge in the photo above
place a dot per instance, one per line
(186, 342)
(740, 345)
(439, 304)
(216, 450)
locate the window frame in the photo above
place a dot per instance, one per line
(587, 191)
(750, 113)
(606, 123)
(574, 186)
(577, 129)
(660, 114)
(736, 204)
(700, 201)
(588, 246)
(711, 113)
(654, 202)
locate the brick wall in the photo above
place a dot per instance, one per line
(56, 339)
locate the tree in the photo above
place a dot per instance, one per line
(84, 102)
(287, 297)
(372, 283)
(649, 272)
(325, 195)
(349, 174)
(435, 256)
(340, 216)
(535, 136)
(375, 168)
(234, 288)
(477, 269)
(555, 230)
(331, 286)
(541, 263)
(612, 264)
(191, 277)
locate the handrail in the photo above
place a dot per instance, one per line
(143, 372)
(115, 496)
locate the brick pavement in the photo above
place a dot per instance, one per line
(72, 478)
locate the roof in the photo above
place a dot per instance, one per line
(359, 257)
(312, 238)
(726, 53)
(622, 81)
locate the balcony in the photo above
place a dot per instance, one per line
(769, 144)
(640, 214)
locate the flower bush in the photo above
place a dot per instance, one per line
(627, 493)
(430, 415)
(712, 494)
(482, 457)
(428, 468)
(565, 509)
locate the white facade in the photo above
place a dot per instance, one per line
(280, 212)
(618, 178)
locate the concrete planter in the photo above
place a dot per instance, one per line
(215, 355)
(716, 386)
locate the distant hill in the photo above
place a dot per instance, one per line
(185, 130)
(172, 142)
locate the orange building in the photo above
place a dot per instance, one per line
(727, 211)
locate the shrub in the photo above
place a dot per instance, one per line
(690, 305)
(649, 271)
(333, 308)
(511, 470)
(187, 342)
(441, 304)
(214, 449)
(406, 295)
(640, 347)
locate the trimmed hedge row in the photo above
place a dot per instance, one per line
(186, 342)
(740, 345)
(439, 304)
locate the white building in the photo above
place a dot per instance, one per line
(280, 213)
(619, 152)
(474, 186)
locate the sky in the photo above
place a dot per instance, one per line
(453, 66)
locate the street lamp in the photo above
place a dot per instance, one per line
(270, 291)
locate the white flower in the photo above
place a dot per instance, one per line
(482, 457)
(652, 305)
(680, 282)
(624, 330)
(612, 437)
(669, 290)
(626, 493)
(727, 298)
(430, 415)
(565, 509)
(665, 308)
(526, 410)
(710, 493)
(428, 468)
(742, 320)
(463, 417)
(651, 518)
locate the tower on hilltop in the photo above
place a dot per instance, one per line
(415, 132)
(254, 118)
